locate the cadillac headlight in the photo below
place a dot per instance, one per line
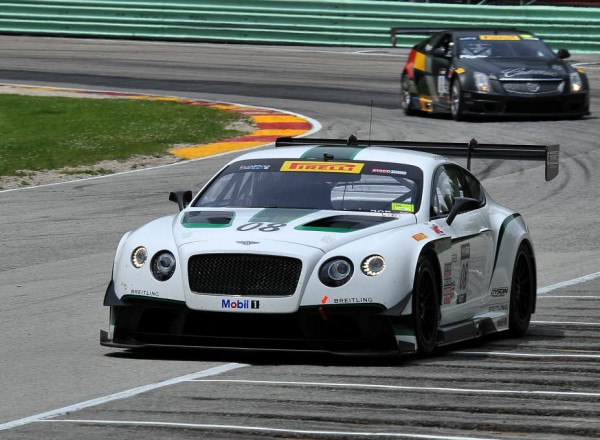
(482, 82)
(576, 83)
(336, 272)
(163, 265)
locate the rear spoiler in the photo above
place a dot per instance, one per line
(428, 31)
(472, 149)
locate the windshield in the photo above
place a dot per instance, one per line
(308, 184)
(503, 46)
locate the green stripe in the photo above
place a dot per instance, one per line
(339, 153)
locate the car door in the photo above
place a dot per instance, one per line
(434, 82)
(466, 265)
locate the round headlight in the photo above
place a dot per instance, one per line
(163, 265)
(336, 272)
(373, 265)
(139, 256)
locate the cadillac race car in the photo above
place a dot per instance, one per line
(494, 72)
(321, 245)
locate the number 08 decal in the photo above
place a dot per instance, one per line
(268, 227)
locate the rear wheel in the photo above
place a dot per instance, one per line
(425, 306)
(406, 96)
(522, 292)
(457, 101)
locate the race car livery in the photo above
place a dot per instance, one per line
(324, 245)
(490, 72)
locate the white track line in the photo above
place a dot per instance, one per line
(528, 355)
(570, 296)
(569, 283)
(122, 395)
(400, 387)
(587, 324)
(273, 430)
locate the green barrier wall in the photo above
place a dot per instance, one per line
(321, 22)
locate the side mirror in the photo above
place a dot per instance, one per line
(461, 204)
(563, 54)
(181, 197)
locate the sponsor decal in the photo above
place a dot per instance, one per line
(240, 304)
(141, 292)
(447, 270)
(437, 230)
(381, 171)
(459, 70)
(404, 207)
(324, 300)
(454, 258)
(448, 293)
(254, 167)
(502, 322)
(352, 300)
(523, 71)
(499, 291)
(498, 308)
(461, 299)
(420, 236)
(465, 251)
(322, 167)
(499, 37)
(247, 243)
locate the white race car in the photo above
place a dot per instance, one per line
(347, 247)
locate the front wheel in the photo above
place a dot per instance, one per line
(425, 306)
(522, 292)
(457, 101)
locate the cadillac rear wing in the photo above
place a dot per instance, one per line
(472, 149)
(428, 31)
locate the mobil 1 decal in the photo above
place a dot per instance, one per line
(463, 280)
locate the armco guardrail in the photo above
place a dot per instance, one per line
(321, 22)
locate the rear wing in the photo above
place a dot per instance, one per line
(472, 149)
(429, 31)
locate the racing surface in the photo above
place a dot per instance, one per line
(58, 242)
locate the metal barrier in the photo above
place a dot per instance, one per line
(319, 22)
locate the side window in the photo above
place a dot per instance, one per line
(451, 181)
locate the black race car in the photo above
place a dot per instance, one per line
(492, 72)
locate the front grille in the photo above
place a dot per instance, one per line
(244, 274)
(532, 87)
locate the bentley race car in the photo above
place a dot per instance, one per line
(490, 72)
(322, 245)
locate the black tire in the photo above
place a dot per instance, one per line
(522, 292)
(406, 96)
(457, 101)
(426, 306)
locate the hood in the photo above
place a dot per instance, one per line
(324, 230)
(505, 68)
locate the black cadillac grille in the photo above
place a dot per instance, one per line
(532, 87)
(244, 274)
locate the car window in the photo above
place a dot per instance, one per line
(307, 184)
(452, 181)
(503, 46)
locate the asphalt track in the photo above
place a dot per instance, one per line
(57, 244)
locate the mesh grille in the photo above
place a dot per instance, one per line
(244, 274)
(532, 87)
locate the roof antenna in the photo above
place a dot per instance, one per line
(370, 123)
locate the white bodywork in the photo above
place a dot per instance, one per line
(474, 256)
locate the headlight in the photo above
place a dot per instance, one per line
(576, 83)
(139, 256)
(373, 265)
(163, 265)
(336, 272)
(482, 82)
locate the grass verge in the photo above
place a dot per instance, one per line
(47, 132)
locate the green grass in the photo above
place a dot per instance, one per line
(46, 132)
